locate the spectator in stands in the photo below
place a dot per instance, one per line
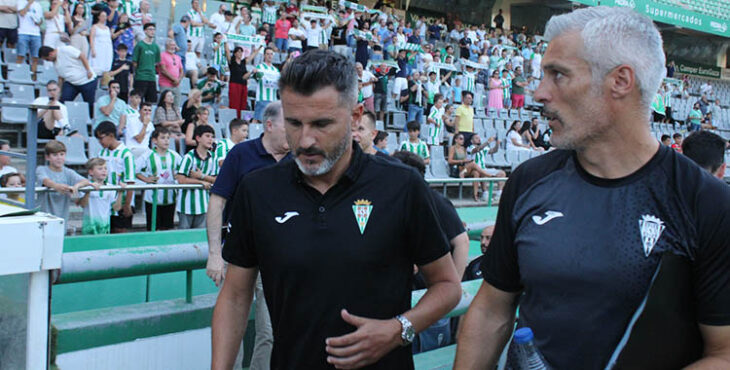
(168, 115)
(708, 122)
(72, 66)
(9, 23)
(101, 50)
(496, 94)
(716, 110)
(198, 167)
(328, 91)
(401, 76)
(670, 69)
(52, 123)
(138, 131)
(12, 180)
(198, 21)
(146, 57)
(123, 72)
(179, 33)
(281, 32)
(707, 149)
(530, 132)
(667, 98)
(365, 133)
(498, 20)
(464, 118)
(666, 140)
(381, 142)
(64, 181)
(30, 18)
(221, 54)
(515, 140)
(98, 204)
(695, 118)
(238, 132)
(5, 166)
(140, 18)
(677, 145)
(78, 25)
(417, 97)
(54, 19)
(238, 87)
(706, 90)
(366, 82)
(414, 144)
(456, 91)
(435, 121)
(121, 166)
(160, 166)
(704, 104)
(191, 106)
(201, 118)
(519, 83)
(479, 151)
(267, 77)
(111, 108)
(132, 111)
(473, 270)
(657, 106)
(211, 88)
(171, 70)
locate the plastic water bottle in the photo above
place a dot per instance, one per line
(523, 354)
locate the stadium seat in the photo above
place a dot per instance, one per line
(392, 145)
(247, 115)
(512, 158)
(225, 116)
(80, 126)
(379, 125)
(255, 130)
(78, 111)
(399, 121)
(45, 74)
(185, 86)
(94, 148)
(523, 155)
(14, 115)
(439, 166)
(22, 92)
(74, 150)
(19, 74)
(504, 114)
(218, 130)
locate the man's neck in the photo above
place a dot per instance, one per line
(133, 107)
(269, 147)
(622, 150)
(413, 141)
(325, 182)
(148, 40)
(160, 151)
(115, 145)
(201, 151)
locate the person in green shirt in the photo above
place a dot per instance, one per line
(146, 57)
(518, 89)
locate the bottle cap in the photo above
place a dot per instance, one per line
(523, 335)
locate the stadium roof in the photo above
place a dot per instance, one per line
(710, 16)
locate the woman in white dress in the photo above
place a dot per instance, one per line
(100, 45)
(514, 139)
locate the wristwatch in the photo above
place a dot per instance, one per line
(407, 334)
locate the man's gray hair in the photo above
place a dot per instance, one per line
(615, 36)
(272, 111)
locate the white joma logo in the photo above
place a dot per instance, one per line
(549, 215)
(286, 217)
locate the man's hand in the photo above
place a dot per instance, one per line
(125, 67)
(127, 210)
(63, 189)
(207, 185)
(89, 74)
(196, 173)
(372, 340)
(112, 94)
(216, 268)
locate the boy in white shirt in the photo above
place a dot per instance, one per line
(138, 131)
(238, 133)
(160, 167)
(98, 204)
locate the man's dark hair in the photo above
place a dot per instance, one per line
(317, 69)
(236, 123)
(211, 71)
(148, 25)
(51, 82)
(144, 104)
(412, 160)
(114, 82)
(380, 136)
(665, 137)
(122, 46)
(45, 51)
(135, 92)
(159, 131)
(370, 116)
(202, 129)
(706, 149)
(105, 128)
(437, 97)
(677, 135)
(413, 126)
(465, 93)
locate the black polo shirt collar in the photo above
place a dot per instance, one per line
(357, 163)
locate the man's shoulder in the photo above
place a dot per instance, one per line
(539, 167)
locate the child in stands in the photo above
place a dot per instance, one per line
(12, 180)
(160, 167)
(64, 181)
(415, 144)
(239, 133)
(120, 162)
(198, 167)
(98, 204)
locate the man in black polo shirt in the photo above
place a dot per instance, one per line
(335, 234)
(616, 246)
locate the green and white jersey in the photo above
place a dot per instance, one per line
(221, 150)
(420, 148)
(434, 130)
(195, 201)
(98, 212)
(164, 167)
(131, 112)
(507, 91)
(195, 31)
(268, 79)
(125, 6)
(269, 14)
(219, 54)
(256, 16)
(469, 80)
(480, 157)
(120, 166)
(667, 99)
(657, 105)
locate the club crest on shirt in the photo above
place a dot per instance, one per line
(362, 210)
(651, 228)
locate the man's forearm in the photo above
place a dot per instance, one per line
(128, 198)
(439, 299)
(214, 222)
(230, 317)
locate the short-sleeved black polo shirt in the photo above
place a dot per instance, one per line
(353, 247)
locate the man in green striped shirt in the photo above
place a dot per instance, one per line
(479, 152)
(198, 21)
(267, 77)
(120, 163)
(198, 167)
(238, 132)
(270, 13)
(435, 120)
(160, 167)
(414, 144)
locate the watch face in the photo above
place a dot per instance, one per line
(410, 335)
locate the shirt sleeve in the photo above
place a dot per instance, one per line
(239, 246)
(72, 176)
(41, 173)
(225, 183)
(185, 166)
(426, 239)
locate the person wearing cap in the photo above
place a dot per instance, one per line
(171, 70)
